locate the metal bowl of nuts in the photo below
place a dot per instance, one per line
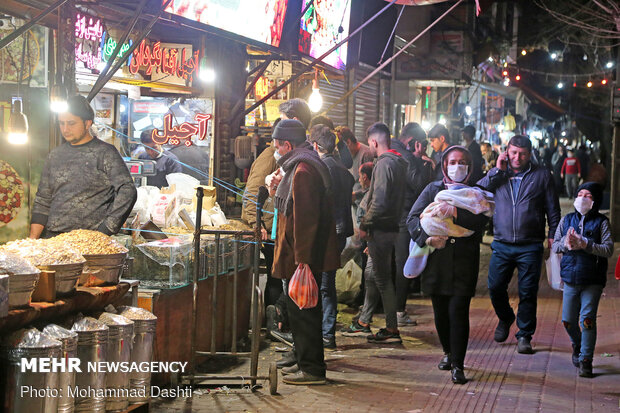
(102, 269)
(67, 276)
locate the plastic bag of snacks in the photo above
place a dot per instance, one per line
(302, 288)
(13, 264)
(43, 252)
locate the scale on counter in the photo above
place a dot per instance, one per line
(140, 169)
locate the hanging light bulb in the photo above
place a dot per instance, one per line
(589, 84)
(315, 101)
(58, 99)
(609, 65)
(518, 77)
(18, 125)
(523, 52)
(468, 110)
(560, 85)
(554, 56)
(604, 82)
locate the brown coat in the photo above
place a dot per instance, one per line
(264, 165)
(308, 234)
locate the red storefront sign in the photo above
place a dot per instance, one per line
(164, 60)
(174, 134)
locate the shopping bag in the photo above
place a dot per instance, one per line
(416, 262)
(348, 281)
(618, 269)
(302, 288)
(553, 271)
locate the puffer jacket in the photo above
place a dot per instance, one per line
(342, 190)
(416, 178)
(520, 218)
(386, 194)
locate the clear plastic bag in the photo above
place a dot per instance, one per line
(13, 264)
(302, 288)
(553, 267)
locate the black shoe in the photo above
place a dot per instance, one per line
(384, 336)
(301, 378)
(502, 330)
(286, 338)
(575, 357)
(445, 363)
(329, 343)
(524, 346)
(356, 330)
(458, 376)
(585, 369)
(288, 359)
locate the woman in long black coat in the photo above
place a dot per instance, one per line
(451, 272)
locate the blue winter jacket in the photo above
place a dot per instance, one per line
(520, 218)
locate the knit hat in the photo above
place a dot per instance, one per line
(290, 130)
(597, 193)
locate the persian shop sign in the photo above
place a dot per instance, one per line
(93, 45)
(167, 61)
(173, 135)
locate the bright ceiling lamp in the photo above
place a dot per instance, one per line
(58, 99)
(315, 101)
(18, 125)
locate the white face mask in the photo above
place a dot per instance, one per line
(457, 173)
(583, 205)
(277, 155)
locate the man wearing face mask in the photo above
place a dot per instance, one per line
(306, 236)
(524, 195)
(451, 271)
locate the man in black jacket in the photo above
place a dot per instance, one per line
(524, 194)
(469, 141)
(416, 182)
(380, 227)
(324, 142)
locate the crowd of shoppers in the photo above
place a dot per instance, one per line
(327, 186)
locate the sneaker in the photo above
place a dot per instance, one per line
(575, 356)
(290, 370)
(303, 379)
(524, 346)
(286, 338)
(329, 343)
(404, 320)
(585, 369)
(502, 330)
(356, 330)
(385, 336)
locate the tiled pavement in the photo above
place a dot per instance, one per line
(371, 378)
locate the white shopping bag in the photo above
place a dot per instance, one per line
(348, 281)
(553, 271)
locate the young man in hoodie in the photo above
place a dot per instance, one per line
(305, 237)
(380, 226)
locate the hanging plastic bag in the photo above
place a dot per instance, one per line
(416, 262)
(348, 281)
(553, 271)
(302, 288)
(618, 269)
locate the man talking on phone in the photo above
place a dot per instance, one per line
(524, 194)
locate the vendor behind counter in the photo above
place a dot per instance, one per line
(165, 162)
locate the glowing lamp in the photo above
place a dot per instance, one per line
(58, 99)
(468, 110)
(18, 125)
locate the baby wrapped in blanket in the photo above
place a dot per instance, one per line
(475, 200)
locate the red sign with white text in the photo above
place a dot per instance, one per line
(164, 60)
(174, 134)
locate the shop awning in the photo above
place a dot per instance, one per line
(541, 105)
(505, 91)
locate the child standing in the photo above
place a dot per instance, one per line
(584, 237)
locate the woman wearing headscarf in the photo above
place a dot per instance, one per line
(451, 271)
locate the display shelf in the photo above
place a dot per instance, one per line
(84, 299)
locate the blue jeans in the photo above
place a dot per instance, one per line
(329, 297)
(527, 259)
(579, 309)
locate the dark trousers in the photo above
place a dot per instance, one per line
(452, 325)
(527, 259)
(273, 288)
(306, 326)
(401, 283)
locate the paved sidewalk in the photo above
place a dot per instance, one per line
(404, 378)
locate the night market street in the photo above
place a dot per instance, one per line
(404, 378)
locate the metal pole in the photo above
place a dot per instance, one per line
(199, 196)
(214, 296)
(237, 239)
(318, 60)
(23, 29)
(102, 80)
(378, 69)
(123, 39)
(259, 72)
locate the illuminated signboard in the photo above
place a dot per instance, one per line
(173, 135)
(164, 60)
(88, 34)
(320, 30)
(108, 44)
(260, 20)
(262, 88)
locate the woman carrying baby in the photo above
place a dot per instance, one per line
(451, 272)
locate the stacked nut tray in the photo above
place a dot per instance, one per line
(88, 257)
